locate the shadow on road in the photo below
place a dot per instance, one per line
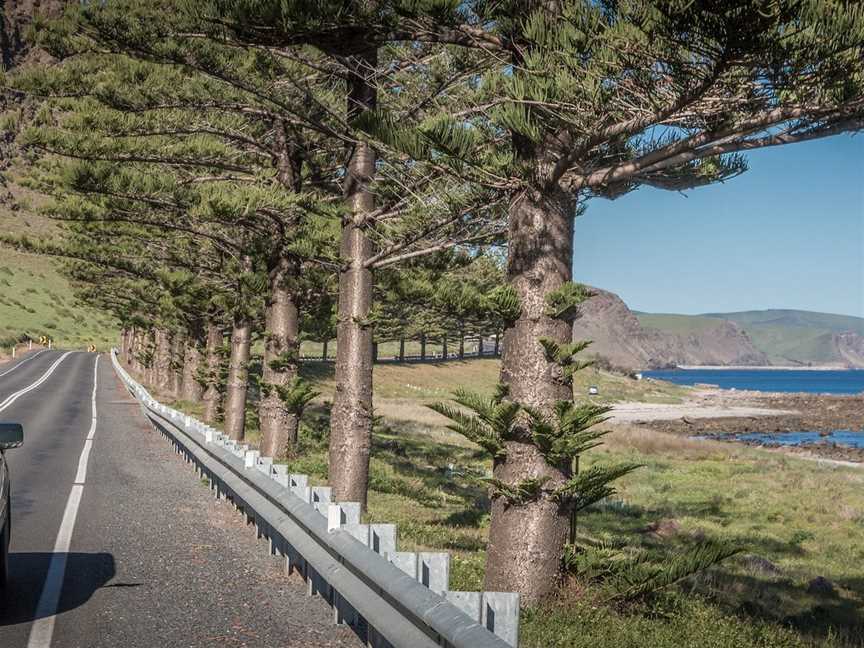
(85, 573)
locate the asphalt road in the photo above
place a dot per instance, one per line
(152, 560)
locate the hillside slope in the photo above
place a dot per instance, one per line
(786, 337)
(623, 341)
(35, 298)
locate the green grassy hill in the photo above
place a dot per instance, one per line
(786, 319)
(35, 298)
(786, 336)
(676, 324)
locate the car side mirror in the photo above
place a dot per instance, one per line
(11, 435)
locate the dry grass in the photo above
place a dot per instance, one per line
(635, 438)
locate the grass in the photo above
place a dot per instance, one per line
(35, 298)
(780, 510)
(788, 345)
(795, 520)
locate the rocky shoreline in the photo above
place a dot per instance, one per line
(799, 412)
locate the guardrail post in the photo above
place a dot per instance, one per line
(265, 464)
(382, 538)
(299, 485)
(406, 561)
(280, 474)
(433, 570)
(501, 615)
(342, 514)
(471, 603)
(319, 498)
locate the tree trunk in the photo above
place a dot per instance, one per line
(351, 418)
(135, 362)
(497, 350)
(281, 352)
(238, 378)
(178, 358)
(324, 350)
(526, 542)
(402, 349)
(462, 346)
(191, 390)
(124, 336)
(422, 346)
(444, 347)
(161, 379)
(148, 356)
(128, 355)
(211, 395)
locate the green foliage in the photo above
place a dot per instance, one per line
(287, 359)
(568, 433)
(505, 304)
(527, 490)
(563, 303)
(590, 486)
(563, 355)
(639, 577)
(296, 395)
(491, 423)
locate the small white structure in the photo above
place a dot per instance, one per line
(593, 391)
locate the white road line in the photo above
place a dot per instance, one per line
(24, 361)
(42, 630)
(13, 397)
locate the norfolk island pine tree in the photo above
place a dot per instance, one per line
(596, 99)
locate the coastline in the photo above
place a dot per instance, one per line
(760, 368)
(715, 412)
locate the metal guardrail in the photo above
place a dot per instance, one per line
(389, 598)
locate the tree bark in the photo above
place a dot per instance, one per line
(526, 541)
(422, 346)
(124, 343)
(444, 347)
(135, 362)
(324, 350)
(178, 358)
(497, 350)
(191, 390)
(402, 349)
(148, 356)
(211, 391)
(462, 346)
(282, 332)
(238, 378)
(161, 378)
(351, 418)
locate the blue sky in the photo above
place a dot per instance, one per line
(789, 233)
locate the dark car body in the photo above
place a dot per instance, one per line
(11, 436)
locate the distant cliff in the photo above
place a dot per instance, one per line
(622, 342)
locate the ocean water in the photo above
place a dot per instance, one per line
(773, 380)
(840, 437)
